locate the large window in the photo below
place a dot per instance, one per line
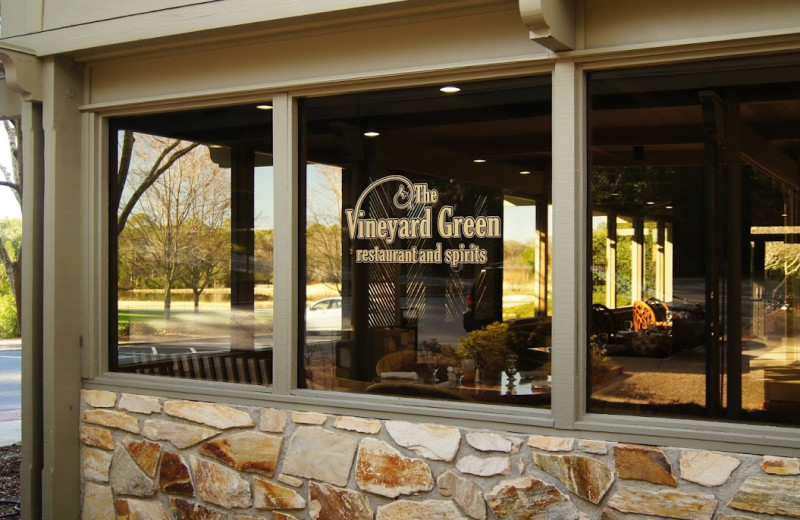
(192, 227)
(694, 224)
(427, 230)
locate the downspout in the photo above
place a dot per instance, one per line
(23, 99)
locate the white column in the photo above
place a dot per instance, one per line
(569, 245)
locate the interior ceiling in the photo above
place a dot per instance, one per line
(652, 119)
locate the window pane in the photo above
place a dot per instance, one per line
(696, 166)
(193, 227)
(427, 242)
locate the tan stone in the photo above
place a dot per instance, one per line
(218, 485)
(210, 414)
(312, 418)
(780, 465)
(493, 442)
(609, 514)
(636, 462)
(132, 509)
(95, 464)
(246, 451)
(707, 469)
(272, 420)
(174, 476)
(253, 517)
(528, 498)
(290, 480)
(180, 435)
(769, 495)
(547, 443)
(432, 441)
(111, 419)
(735, 517)
(484, 467)
(185, 510)
(328, 502)
(319, 454)
(144, 404)
(97, 437)
(465, 493)
(145, 453)
(382, 470)
(283, 516)
(357, 424)
(686, 505)
(596, 447)
(427, 509)
(127, 478)
(99, 398)
(98, 503)
(586, 477)
(268, 496)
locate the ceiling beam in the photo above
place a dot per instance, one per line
(761, 153)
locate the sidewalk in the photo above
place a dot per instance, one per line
(11, 344)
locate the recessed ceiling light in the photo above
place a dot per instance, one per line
(264, 106)
(650, 203)
(525, 172)
(669, 207)
(371, 133)
(450, 89)
(215, 146)
(479, 160)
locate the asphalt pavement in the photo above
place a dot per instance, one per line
(10, 391)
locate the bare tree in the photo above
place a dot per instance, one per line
(175, 224)
(12, 178)
(170, 150)
(324, 229)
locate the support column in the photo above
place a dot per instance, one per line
(570, 243)
(33, 231)
(62, 288)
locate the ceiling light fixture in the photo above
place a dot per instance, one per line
(479, 160)
(371, 133)
(264, 106)
(450, 89)
(525, 172)
(650, 203)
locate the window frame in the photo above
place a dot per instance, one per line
(567, 415)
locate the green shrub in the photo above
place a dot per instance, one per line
(8, 315)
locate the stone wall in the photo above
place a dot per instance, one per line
(146, 458)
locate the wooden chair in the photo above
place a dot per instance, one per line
(643, 315)
(401, 361)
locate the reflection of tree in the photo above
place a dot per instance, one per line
(784, 260)
(168, 151)
(324, 230)
(177, 232)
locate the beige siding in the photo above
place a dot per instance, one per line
(312, 58)
(632, 22)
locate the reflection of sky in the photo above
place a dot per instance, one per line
(264, 213)
(519, 223)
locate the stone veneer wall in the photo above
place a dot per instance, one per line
(148, 458)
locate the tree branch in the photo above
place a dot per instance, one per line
(155, 172)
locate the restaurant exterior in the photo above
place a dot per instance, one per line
(392, 259)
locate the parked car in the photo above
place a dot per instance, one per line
(324, 314)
